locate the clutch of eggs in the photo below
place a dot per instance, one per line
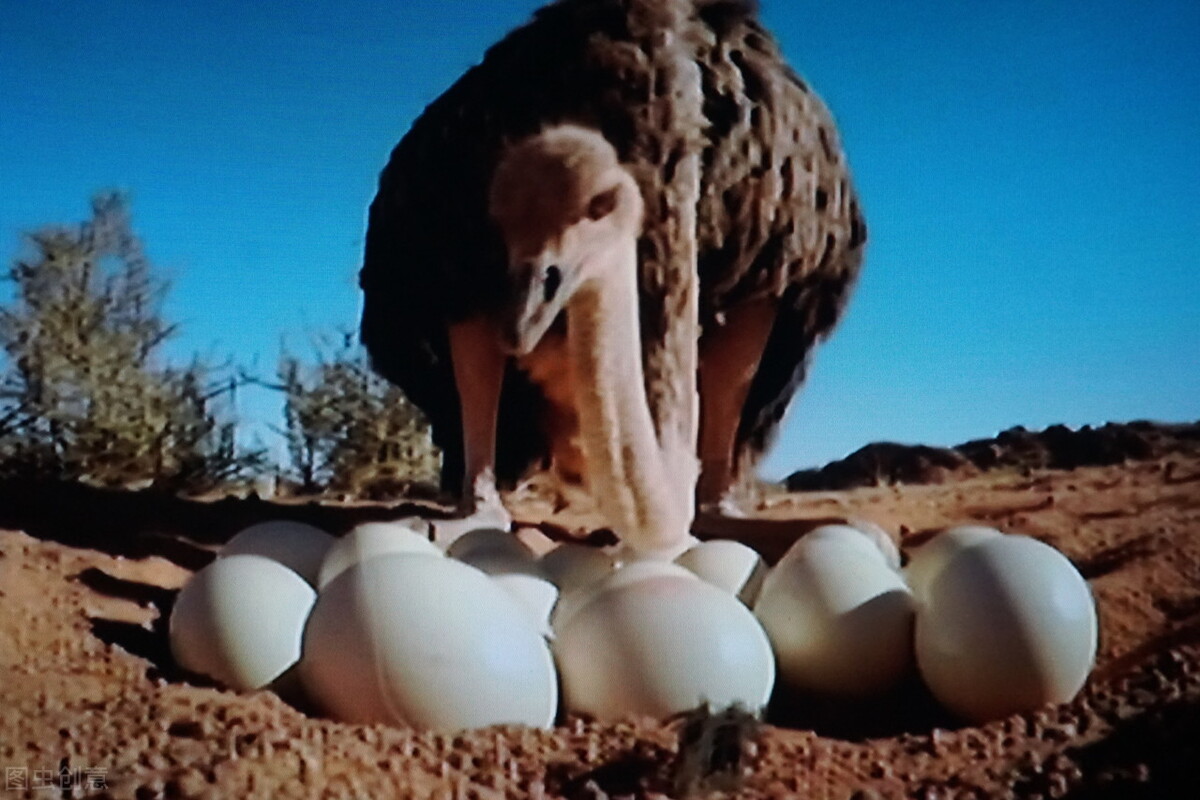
(240, 620)
(995, 624)
(427, 641)
(396, 633)
(380, 626)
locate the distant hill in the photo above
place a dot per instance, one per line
(1056, 447)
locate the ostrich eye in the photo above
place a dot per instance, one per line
(602, 204)
(553, 281)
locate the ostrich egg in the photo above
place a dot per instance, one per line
(1007, 625)
(929, 559)
(295, 545)
(575, 599)
(880, 538)
(728, 565)
(240, 621)
(661, 644)
(426, 641)
(573, 566)
(513, 567)
(867, 543)
(495, 552)
(369, 540)
(839, 617)
(536, 596)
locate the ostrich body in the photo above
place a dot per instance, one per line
(751, 239)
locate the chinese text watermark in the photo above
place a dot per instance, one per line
(26, 778)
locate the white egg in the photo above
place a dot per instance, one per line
(484, 540)
(296, 545)
(572, 566)
(728, 565)
(866, 543)
(494, 551)
(627, 553)
(536, 596)
(1007, 625)
(426, 641)
(840, 619)
(880, 538)
(572, 601)
(369, 540)
(930, 558)
(240, 621)
(660, 645)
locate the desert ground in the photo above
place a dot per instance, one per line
(91, 704)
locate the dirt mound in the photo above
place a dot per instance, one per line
(885, 464)
(1056, 447)
(91, 700)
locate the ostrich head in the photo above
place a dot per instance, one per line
(567, 210)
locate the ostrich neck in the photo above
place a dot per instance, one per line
(628, 471)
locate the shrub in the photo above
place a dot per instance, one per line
(350, 431)
(85, 392)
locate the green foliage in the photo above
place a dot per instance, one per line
(348, 430)
(85, 393)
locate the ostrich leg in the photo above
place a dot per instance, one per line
(478, 375)
(730, 356)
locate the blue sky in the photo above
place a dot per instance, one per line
(1030, 172)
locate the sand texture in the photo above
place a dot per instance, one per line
(87, 578)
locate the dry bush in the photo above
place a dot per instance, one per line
(348, 430)
(85, 392)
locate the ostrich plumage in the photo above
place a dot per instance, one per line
(738, 162)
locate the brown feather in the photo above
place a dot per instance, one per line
(731, 150)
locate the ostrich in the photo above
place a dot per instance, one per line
(751, 240)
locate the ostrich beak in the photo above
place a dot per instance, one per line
(538, 295)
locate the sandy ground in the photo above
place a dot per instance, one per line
(90, 700)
